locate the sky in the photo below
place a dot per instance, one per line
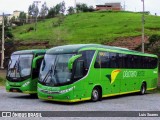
(8, 6)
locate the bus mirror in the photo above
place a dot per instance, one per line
(71, 61)
(34, 65)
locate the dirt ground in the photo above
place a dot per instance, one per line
(129, 42)
(3, 73)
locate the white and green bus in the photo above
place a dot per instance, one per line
(80, 72)
(23, 71)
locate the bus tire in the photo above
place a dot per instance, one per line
(143, 89)
(33, 95)
(95, 94)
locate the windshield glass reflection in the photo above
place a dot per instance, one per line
(54, 69)
(20, 65)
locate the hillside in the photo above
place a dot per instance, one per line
(95, 27)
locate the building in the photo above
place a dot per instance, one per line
(110, 6)
(9, 16)
(15, 14)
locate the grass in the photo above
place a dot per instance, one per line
(92, 27)
(157, 90)
(2, 81)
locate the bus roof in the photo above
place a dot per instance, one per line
(34, 51)
(78, 47)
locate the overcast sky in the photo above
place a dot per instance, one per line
(8, 6)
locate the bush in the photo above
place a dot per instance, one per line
(30, 29)
(2, 81)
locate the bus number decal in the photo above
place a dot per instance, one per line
(127, 74)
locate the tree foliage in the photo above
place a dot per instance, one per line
(153, 45)
(7, 29)
(44, 10)
(33, 10)
(51, 13)
(71, 10)
(22, 17)
(55, 10)
(62, 7)
(82, 7)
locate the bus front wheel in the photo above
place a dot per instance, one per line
(143, 89)
(95, 94)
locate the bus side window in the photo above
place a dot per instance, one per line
(79, 71)
(87, 57)
(113, 58)
(97, 62)
(102, 60)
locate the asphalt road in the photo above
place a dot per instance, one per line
(132, 102)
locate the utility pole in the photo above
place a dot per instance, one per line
(2, 51)
(143, 22)
(36, 2)
(75, 6)
(124, 6)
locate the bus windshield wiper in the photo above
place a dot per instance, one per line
(19, 69)
(49, 73)
(10, 69)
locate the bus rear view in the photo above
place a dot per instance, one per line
(23, 71)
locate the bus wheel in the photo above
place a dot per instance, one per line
(143, 89)
(95, 94)
(33, 95)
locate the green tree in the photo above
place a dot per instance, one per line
(91, 9)
(70, 10)
(7, 29)
(153, 46)
(33, 10)
(51, 13)
(12, 20)
(44, 10)
(82, 7)
(62, 7)
(22, 17)
(55, 10)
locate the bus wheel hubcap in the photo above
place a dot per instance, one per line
(95, 94)
(143, 89)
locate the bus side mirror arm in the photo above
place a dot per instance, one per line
(71, 61)
(34, 65)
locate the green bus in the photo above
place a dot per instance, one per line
(81, 72)
(23, 71)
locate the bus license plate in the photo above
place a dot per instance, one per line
(50, 97)
(14, 90)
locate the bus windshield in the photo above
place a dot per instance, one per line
(54, 70)
(20, 66)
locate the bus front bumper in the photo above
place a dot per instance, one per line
(63, 94)
(20, 87)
